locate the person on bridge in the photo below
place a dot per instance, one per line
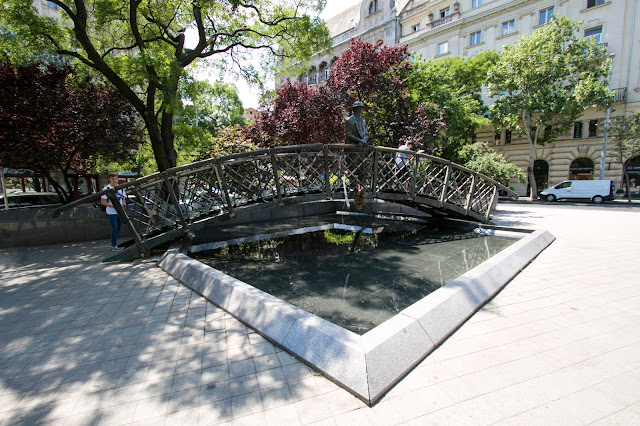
(403, 160)
(112, 214)
(355, 128)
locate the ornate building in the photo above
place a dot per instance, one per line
(440, 28)
(371, 21)
(437, 29)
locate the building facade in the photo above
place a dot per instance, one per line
(436, 29)
(371, 21)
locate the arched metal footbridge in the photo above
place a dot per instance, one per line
(163, 205)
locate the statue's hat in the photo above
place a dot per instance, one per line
(357, 104)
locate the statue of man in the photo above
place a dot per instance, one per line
(355, 128)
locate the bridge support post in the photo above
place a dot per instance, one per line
(174, 200)
(111, 195)
(470, 195)
(493, 199)
(374, 178)
(276, 175)
(445, 187)
(225, 188)
(327, 182)
(414, 179)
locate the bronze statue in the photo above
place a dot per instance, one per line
(355, 128)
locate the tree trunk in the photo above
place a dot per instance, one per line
(66, 197)
(531, 172)
(532, 177)
(626, 183)
(165, 160)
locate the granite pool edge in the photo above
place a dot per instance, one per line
(368, 365)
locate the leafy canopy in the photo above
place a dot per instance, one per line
(141, 46)
(481, 158)
(52, 120)
(548, 77)
(454, 85)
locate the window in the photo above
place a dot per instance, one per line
(476, 3)
(443, 48)
(52, 5)
(373, 7)
(497, 137)
(577, 130)
(593, 3)
(474, 38)
(581, 169)
(507, 137)
(545, 15)
(415, 28)
(547, 130)
(563, 185)
(445, 12)
(596, 33)
(508, 27)
(593, 128)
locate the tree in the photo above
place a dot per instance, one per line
(299, 115)
(545, 81)
(379, 76)
(481, 158)
(454, 85)
(50, 120)
(625, 132)
(374, 74)
(140, 46)
(205, 110)
(229, 140)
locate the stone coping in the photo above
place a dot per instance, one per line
(368, 365)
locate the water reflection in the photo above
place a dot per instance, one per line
(355, 279)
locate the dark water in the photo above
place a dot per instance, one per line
(355, 280)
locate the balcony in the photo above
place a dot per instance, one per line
(441, 21)
(620, 94)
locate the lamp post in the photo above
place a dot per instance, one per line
(605, 137)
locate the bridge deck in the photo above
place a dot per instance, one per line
(164, 205)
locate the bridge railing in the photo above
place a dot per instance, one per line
(171, 200)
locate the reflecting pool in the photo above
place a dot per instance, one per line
(356, 279)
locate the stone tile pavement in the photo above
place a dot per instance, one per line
(83, 342)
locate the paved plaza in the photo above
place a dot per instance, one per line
(85, 342)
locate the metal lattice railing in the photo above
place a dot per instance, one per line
(163, 205)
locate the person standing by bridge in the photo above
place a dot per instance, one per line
(355, 128)
(112, 214)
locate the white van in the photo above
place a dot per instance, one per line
(594, 190)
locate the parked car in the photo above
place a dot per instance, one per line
(30, 199)
(595, 190)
